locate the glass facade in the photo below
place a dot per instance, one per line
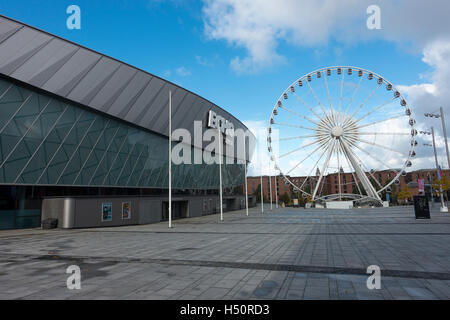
(49, 147)
(47, 141)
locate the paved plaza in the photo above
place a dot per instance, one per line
(286, 253)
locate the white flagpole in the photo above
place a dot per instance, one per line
(276, 189)
(245, 175)
(262, 203)
(270, 186)
(220, 173)
(170, 159)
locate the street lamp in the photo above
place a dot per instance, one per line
(437, 116)
(443, 207)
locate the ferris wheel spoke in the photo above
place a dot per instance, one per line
(315, 165)
(329, 96)
(299, 115)
(304, 159)
(340, 98)
(298, 137)
(371, 155)
(362, 104)
(374, 110)
(354, 94)
(379, 121)
(384, 133)
(380, 146)
(374, 158)
(318, 101)
(298, 149)
(293, 126)
(306, 105)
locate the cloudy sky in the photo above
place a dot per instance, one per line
(242, 54)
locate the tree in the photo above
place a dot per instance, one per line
(404, 194)
(257, 193)
(445, 182)
(285, 198)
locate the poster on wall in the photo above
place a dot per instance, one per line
(126, 210)
(107, 211)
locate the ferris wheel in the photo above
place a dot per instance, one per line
(342, 133)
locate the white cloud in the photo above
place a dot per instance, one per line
(204, 61)
(259, 26)
(260, 162)
(183, 72)
(428, 97)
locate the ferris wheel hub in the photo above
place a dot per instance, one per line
(337, 131)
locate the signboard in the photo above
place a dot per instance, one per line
(295, 202)
(218, 122)
(421, 207)
(126, 210)
(107, 211)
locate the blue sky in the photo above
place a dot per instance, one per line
(162, 37)
(243, 54)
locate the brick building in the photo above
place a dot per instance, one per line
(330, 183)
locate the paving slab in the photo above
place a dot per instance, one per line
(286, 253)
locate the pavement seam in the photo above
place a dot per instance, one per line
(241, 265)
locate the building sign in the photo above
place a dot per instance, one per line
(107, 211)
(218, 122)
(126, 210)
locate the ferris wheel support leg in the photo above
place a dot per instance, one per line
(370, 190)
(325, 165)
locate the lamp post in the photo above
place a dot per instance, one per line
(443, 207)
(437, 116)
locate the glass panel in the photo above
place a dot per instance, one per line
(4, 85)
(7, 219)
(64, 153)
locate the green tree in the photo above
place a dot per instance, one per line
(285, 198)
(257, 193)
(404, 194)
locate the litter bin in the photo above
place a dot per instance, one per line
(50, 223)
(421, 207)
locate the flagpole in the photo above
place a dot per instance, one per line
(262, 202)
(245, 175)
(170, 159)
(276, 189)
(220, 173)
(270, 186)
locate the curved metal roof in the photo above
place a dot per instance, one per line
(95, 80)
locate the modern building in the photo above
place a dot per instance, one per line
(84, 138)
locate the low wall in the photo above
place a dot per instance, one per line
(339, 205)
(86, 212)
